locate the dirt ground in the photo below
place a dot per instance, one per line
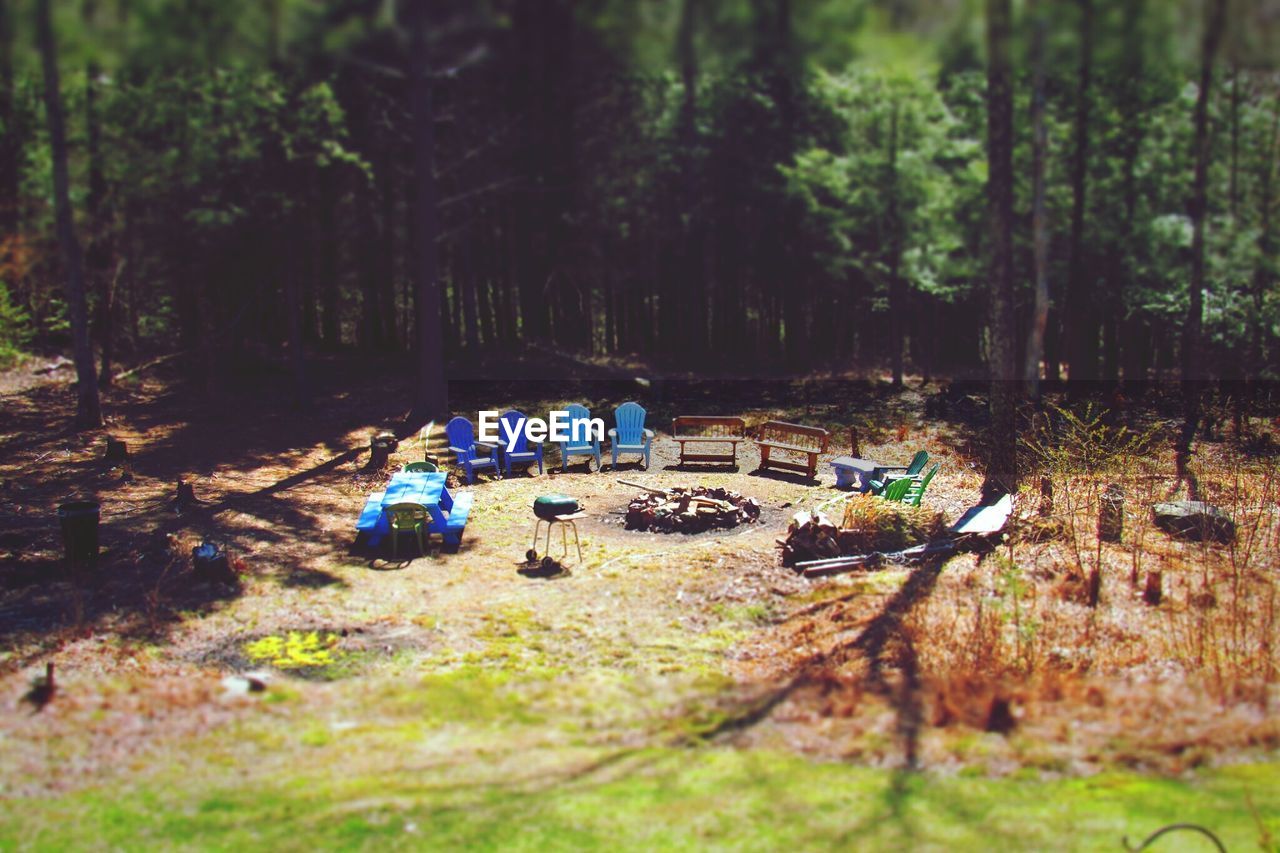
(987, 663)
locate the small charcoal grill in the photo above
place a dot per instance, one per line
(555, 509)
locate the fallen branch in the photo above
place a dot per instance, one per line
(645, 488)
(148, 365)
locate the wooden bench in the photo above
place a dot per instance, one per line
(793, 438)
(701, 430)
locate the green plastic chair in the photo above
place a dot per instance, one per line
(917, 465)
(897, 490)
(420, 468)
(407, 518)
(918, 485)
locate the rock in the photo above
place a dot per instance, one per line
(1195, 520)
(249, 682)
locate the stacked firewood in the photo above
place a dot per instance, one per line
(810, 536)
(690, 510)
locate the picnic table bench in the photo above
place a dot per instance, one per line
(448, 513)
(792, 438)
(708, 429)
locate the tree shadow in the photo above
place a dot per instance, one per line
(892, 666)
(305, 578)
(785, 476)
(703, 468)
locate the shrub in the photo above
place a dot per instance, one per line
(874, 524)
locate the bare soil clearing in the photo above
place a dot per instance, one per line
(652, 639)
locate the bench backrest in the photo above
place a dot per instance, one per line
(812, 438)
(709, 426)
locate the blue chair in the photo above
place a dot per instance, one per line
(629, 434)
(521, 452)
(582, 447)
(462, 442)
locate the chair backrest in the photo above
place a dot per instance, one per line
(515, 420)
(420, 468)
(461, 435)
(629, 419)
(579, 414)
(917, 463)
(897, 490)
(916, 492)
(406, 514)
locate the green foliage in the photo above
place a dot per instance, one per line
(1086, 445)
(901, 172)
(295, 650)
(707, 798)
(15, 328)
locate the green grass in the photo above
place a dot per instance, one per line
(656, 799)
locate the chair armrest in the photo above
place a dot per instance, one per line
(613, 433)
(648, 433)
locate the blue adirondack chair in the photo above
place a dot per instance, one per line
(581, 447)
(524, 451)
(462, 443)
(629, 435)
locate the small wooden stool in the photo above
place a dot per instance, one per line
(565, 522)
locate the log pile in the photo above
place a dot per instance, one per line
(810, 536)
(690, 510)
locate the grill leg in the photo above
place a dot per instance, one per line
(576, 540)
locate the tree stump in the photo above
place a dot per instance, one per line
(117, 451)
(1095, 587)
(211, 564)
(1153, 594)
(1046, 497)
(1000, 717)
(186, 497)
(381, 446)
(1111, 514)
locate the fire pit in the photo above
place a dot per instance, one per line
(690, 509)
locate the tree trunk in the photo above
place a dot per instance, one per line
(1039, 217)
(1132, 135)
(694, 307)
(466, 281)
(372, 268)
(1233, 192)
(431, 398)
(1081, 325)
(1266, 249)
(327, 236)
(98, 256)
(896, 306)
(10, 139)
(1192, 365)
(1001, 474)
(88, 408)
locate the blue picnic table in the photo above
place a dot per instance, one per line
(425, 488)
